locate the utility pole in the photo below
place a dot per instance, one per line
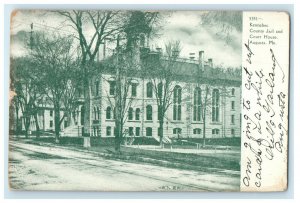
(118, 97)
(31, 37)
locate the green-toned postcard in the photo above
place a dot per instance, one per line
(135, 100)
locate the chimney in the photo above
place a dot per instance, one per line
(210, 62)
(201, 60)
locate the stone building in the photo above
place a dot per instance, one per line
(183, 118)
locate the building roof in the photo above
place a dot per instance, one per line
(181, 69)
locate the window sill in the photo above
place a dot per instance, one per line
(180, 122)
(134, 121)
(197, 122)
(148, 121)
(215, 123)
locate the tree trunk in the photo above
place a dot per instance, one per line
(87, 107)
(118, 136)
(161, 132)
(27, 125)
(57, 123)
(17, 121)
(204, 131)
(37, 125)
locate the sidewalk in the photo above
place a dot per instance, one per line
(209, 150)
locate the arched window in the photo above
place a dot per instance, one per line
(112, 87)
(196, 131)
(159, 90)
(215, 105)
(114, 113)
(232, 119)
(232, 91)
(149, 90)
(95, 113)
(232, 132)
(177, 103)
(177, 131)
(130, 114)
(133, 89)
(137, 114)
(197, 111)
(97, 88)
(215, 131)
(98, 113)
(108, 112)
(149, 112)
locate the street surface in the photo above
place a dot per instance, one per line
(33, 167)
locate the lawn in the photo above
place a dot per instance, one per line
(215, 161)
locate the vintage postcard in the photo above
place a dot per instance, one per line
(136, 100)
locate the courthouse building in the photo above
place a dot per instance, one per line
(183, 118)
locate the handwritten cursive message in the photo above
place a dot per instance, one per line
(264, 103)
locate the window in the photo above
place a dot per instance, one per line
(95, 113)
(137, 114)
(148, 131)
(65, 124)
(108, 131)
(177, 103)
(130, 114)
(51, 113)
(108, 112)
(112, 87)
(160, 90)
(215, 131)
(149, 90)
(232, 91)
(97, 88)
(137, 131)
(148, 112)
(98, 113)
(115, 131)
(232, 119)
(177, 131)
(131, 131)
(197, 105)
(51, 124)
(133, 89)
(215, 105)
(196, 131)
(232, 105)
(232, 132)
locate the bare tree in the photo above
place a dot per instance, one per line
(25, 85)
(58, 73)
(160, 70)
(210, 103)
(92, 28)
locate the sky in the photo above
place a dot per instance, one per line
(185, 26)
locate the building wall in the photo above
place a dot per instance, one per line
(45, 120)
(225, 126)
